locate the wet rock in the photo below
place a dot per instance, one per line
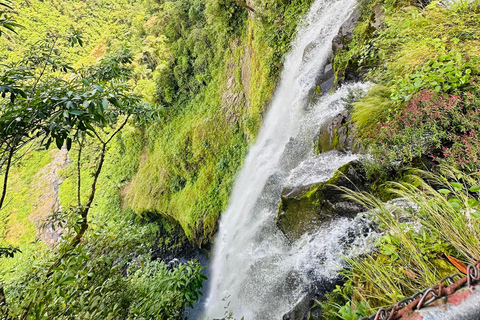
(300, 310)
(327, 79)
(172, 264)
(325, 82)
(378, 15)
(328, 72)
(345, 34)
(170, 243)
(294, 149)
(304, 208)
(308, 49)
(336, 133)
(307, 308)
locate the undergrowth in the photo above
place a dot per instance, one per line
(226, 67)
(421, 57)
(437, 217)
(23, 194)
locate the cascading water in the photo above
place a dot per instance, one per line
(256, 271)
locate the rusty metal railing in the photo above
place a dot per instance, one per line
(429, 295)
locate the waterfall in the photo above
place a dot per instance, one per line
(256, 272)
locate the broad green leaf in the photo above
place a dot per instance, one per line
(457, 186)
(105, 104)
(59, 142)
(474, 189)
(100, 89)
(76, 112)
(475, 214)
(455, 205)
(472, 203)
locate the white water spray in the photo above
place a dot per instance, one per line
(255, 270)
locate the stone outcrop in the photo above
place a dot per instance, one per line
(336, 133)
(345, 34)
(326, 79)
(304, 208)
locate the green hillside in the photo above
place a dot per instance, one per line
(123, 125)
(166, 176)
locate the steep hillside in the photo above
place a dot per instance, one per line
(207, 71)
(214, 82)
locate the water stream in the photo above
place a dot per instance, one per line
(256, 272)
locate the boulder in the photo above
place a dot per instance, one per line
(325, 82)
(300, 310)
(345, 34)
(335, 133)
(378, 15)
(304, 208)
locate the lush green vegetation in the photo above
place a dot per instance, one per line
(211, 54)
(430, 223)
(421, 111)
(111, 274)
(154, 104)
(197, 77)
(103, 267)
(424, 61)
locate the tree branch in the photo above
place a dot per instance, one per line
(5, 179)
(43, 70)
(119, 128)
(79, 180)
(243, 4)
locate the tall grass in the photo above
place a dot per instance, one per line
(438, 215)
(400, 266)
(373, 108)
(449, 205)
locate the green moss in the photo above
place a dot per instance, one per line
(311, 192)
(335, 140)
(195, 151)
(16, 228)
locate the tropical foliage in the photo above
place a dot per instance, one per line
(151, 100)
(423, 111)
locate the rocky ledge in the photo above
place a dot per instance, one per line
(305, 207)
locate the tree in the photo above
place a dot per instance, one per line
(44, 99)
(6, 17)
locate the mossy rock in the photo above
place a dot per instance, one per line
(336, 133)
(304, 208)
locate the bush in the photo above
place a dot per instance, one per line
(442, 126)
(93, 283)
(419, 230)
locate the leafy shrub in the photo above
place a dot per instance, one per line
(419, 230)
(448, 73)
(443, 126)
(415, 50)
(90, 283)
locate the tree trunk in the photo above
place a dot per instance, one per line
(5, 179)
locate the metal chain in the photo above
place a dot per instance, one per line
(429, 295)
